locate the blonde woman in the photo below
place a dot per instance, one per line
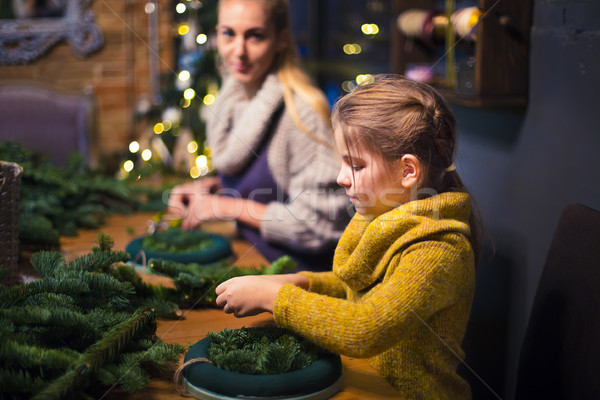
(272, 143)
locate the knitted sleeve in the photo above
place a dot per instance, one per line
(315, 214)
(325, 283)
(425, 278)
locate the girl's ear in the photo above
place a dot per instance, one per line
(411, 171)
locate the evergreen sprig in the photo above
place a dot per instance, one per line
(62, 335)
(57, 201)
(261, 351)
(195, 283)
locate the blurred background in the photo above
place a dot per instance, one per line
(131, 78)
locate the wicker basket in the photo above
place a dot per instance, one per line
(10, 184)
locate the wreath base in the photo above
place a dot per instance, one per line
(203, 394)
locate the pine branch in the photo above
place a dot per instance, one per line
(267, 350)
(18, 383)
(20, 356)
(97, 355)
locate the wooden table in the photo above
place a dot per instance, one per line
(361, 381)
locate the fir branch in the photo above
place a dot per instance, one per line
(51, 300)
(15, 354)
(99, 260)
(266, 350)
(97, 355)
(19, 383)
(48, 263)
(35, 315)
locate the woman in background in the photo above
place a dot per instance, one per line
(271, 141)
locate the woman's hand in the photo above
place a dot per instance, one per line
(195, 202)
(244, 296)
(187, 201)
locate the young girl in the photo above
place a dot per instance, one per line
(404, 270)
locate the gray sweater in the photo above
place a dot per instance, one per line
(317, 209)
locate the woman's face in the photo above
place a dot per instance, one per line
(247, 41)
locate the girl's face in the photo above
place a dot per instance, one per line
(373, 186)
(247, 41)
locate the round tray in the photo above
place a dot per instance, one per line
(221, 250)
(320, 380)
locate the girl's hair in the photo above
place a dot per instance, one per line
(392, 116)
(289, 69)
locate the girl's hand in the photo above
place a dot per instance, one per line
(244, 296)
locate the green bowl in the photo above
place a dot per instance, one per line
(321, 380)
(219, 251)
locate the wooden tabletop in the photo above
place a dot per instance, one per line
(361, 381)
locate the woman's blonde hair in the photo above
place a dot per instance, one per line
(392, 116)
(289, 69)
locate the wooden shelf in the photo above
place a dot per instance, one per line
(499, 54)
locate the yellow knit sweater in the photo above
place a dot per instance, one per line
(399, 294)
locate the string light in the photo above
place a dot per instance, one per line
(348, 86)
(134, 146)
(352, 48)
(159, 128)
(128, 165)
(369, 29)
(150, 7)
(189, 94)
(146, 154)
(364, 78)
(184, 75)
(201, 161)
(192, 147)
(180, 8)
(167, 124)
(195, 172)
(183, 29)
(201, 38)
(208, 99)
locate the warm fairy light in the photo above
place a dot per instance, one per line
(183, 29)
(348, 86)
(167, 124)
(159, 128)
(189, 94)
(207, 151)
(146, 154)
(150, 7)
(192, 147)
(134, 147)
(195, 172)
(364, 78)
(369, 29)
(128, 165)
(185, 103)
(208, 99)
(201, 161)
(184, 75)
(201, 38)
(352, 48)
(180, 8)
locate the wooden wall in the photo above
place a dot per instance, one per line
(118, 72)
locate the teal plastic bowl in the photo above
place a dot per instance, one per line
(320, 380)
(220, 250)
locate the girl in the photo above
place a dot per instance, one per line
(271, 139)
(404, 270)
